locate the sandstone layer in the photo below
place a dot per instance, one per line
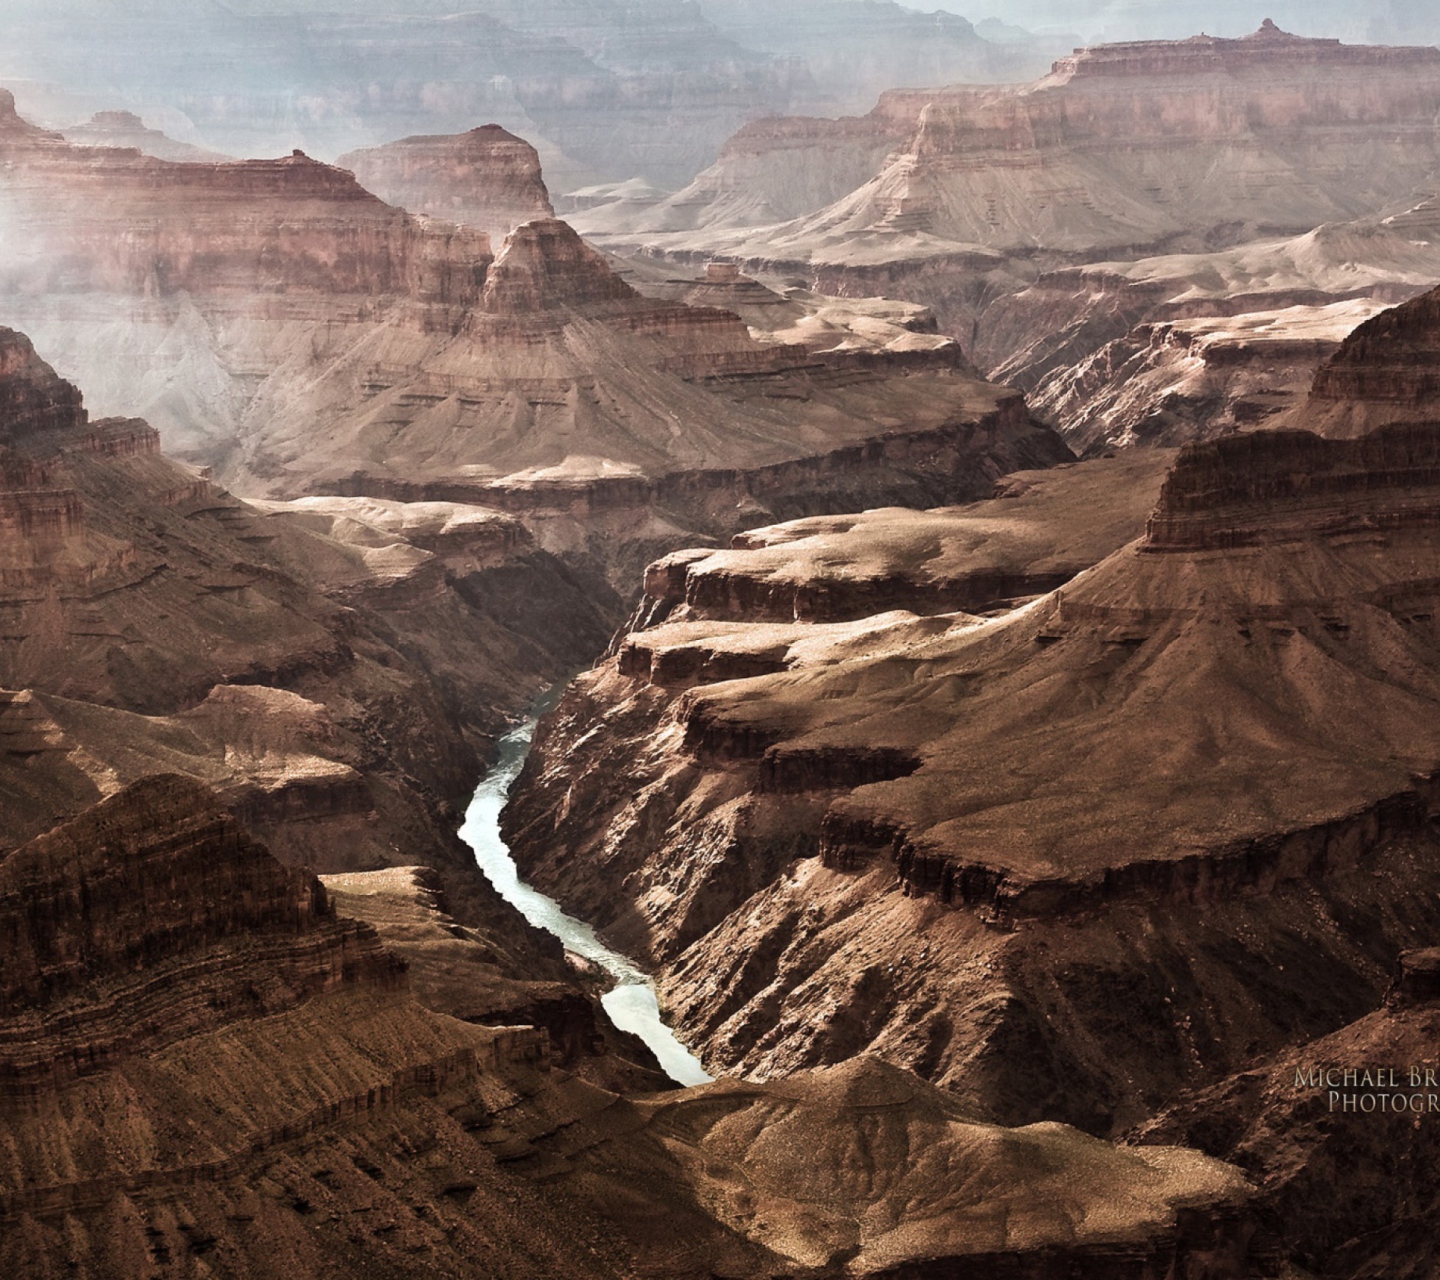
(1124, 834)
(281, 324)
(1384, 372)
(487, 178)
(204, 1069)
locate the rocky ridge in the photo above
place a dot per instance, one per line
(1101, 156)
(487, 178)
(230, 1076)
(1181, 347)
(1209, 748)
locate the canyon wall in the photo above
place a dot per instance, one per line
(203, 1066)
(322, 342)
(851, 822)
(1102, 157)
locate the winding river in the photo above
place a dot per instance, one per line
(631, 1003)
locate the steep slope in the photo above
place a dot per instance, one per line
(207, 1070)
(338, 682)
(284, 326)
(487, 178)
(1164, 817)
(1293, 1120)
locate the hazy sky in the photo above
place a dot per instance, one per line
(1381, 20)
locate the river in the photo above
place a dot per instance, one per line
(631, 1002)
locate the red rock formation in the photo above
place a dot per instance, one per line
(112, 219)
(958, 842)
(545, 265)
(198, 1058)
(33, 397)
(487, 178)
(1273, 485)
(1386, 371)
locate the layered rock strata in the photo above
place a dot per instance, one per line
(487, 178)
(204, 1067)
(1105, 153)
(1188, 346)
(1384, 372)
(324, 342)
(1115, 833)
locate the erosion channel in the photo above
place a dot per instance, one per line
(631, 1002)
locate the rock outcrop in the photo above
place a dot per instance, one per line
(322, 342)
(1104, 155)
(1107, 833)
(1384, 372)
(204, 1065)
(487, 178)
(1355, 1108)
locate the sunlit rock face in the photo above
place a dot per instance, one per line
(875, 797)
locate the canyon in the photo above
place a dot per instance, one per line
(328, 344)
(1108, 799)
(969, 568)
(1159, 241)
(216, 1063)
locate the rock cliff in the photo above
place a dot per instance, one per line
(1385, 371)
(1102, 155)
(487, 178)
(1095, 833)
(282, 325)
(336, 674)
(203, 1066)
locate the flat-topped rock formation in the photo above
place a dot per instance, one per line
(487, 178)
(327, 343)
(1090, 157)
(887, 832)
(1042, 529)
(126, 129)
(283, 228)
